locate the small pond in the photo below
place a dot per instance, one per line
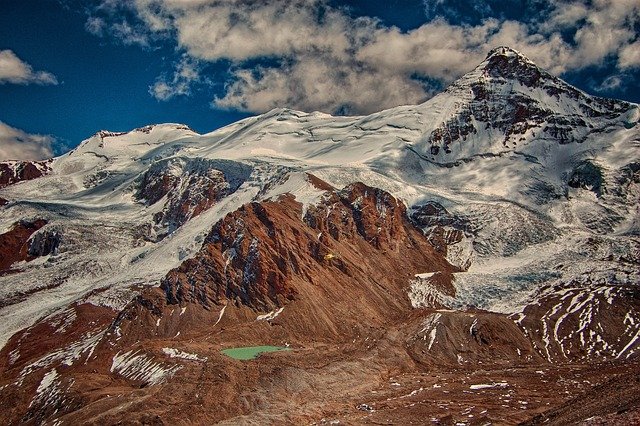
(251, 352)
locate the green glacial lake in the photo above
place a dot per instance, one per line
(251, 352)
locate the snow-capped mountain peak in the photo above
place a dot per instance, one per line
(495, 223)
(509, 63)
(508, 102)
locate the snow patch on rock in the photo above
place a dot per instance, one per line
(270, 316)
(138, 366)
(176, 353)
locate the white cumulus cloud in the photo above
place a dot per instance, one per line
(312, 55)
(14, 70)
(184, 75)
(630, 55)
(16, 144)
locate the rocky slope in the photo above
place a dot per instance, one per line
(469, 260)
(15, 243)
(17, 171)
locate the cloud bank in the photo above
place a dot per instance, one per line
(186, 73)
(14, 70)
(16, 144)
(310, 55)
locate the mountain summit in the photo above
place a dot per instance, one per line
(507, 102)
(421, 253)
(509, 63)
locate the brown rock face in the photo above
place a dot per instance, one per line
(191, 186)
(571, 323)
(266, 255)
(16, 171)
(470, 338)
(14, 245)
(49, 361)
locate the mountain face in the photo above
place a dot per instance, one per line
(12, 172)
(473, 259)
(507, 102)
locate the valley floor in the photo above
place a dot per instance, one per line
(371, 379)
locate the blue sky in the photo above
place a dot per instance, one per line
(69, 68)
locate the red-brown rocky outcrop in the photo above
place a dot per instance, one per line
(12, 172)
(349, 257)
(329, 279)
(14, 245)
(187, 187)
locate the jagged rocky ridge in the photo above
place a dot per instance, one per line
(12, 172)
(158, 247)
(510, 98)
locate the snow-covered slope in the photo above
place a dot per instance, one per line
(536, 183)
